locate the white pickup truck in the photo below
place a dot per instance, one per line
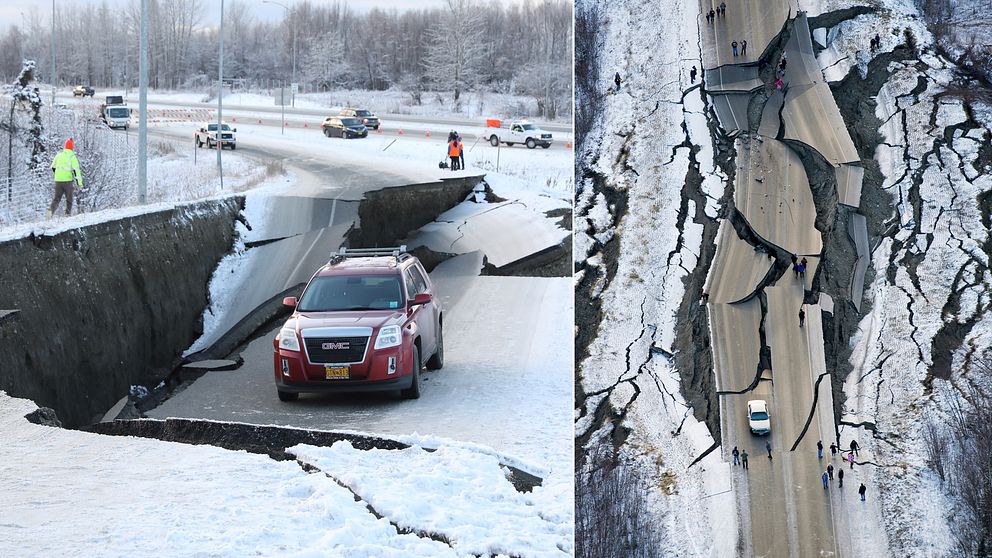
(207, 135)
(521, 131)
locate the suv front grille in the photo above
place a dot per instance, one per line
(336, 350)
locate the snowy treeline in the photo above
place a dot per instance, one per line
(523, 48)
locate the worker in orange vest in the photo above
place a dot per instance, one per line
(454, 152)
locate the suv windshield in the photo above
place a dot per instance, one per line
(350, 122)
(118, 113)
(363, 113)
(352, 292)
(759, 415)
(213, 128)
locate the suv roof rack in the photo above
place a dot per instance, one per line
(398, 252)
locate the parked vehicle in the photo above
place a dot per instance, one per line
(522, 131)
(344, 127)
(114, 112)
(207, 135)
(367, 118)
(83, 91)
(757, 417)
(368, 320)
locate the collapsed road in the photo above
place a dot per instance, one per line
(761, 347)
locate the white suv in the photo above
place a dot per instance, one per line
(757, 417)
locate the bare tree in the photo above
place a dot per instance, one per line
(454, 53)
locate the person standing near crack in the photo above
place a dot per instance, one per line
(65, 167)
(743, 47)
(855, 447)
(692, 75)
(733, 45)
(802, 320)
(862, 491)
(768, 448)
(744, 459)
(616, 79)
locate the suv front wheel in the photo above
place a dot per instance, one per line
(413, 392)
(288, 396)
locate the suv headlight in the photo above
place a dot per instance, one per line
(389, 336)
(288, 339)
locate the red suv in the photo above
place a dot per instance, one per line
(367, 321)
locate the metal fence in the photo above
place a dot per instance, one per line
(108, 161)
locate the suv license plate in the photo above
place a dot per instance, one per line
(337, 372)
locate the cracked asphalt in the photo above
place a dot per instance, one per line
(754, 297)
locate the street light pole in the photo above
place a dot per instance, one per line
(220, 100)
(143, 105)
(283, 6)
(53, 53)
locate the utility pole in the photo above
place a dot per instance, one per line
(220, 100)
(143, 106)
(53, 53)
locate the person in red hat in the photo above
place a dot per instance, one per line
(65, 165)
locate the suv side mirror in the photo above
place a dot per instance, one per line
(234, 129)
(420, 299)
(289, 301)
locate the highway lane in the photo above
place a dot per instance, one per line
(319, 114)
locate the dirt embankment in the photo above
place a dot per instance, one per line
(108, 305)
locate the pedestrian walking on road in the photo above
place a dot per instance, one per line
(723, 9)
(840, 477)
(616, 80)
(733, 45)
(65, 165)
(744, 459)
(850, 458)
(855, 447)
(825, 479)
(778, 84)
(802, 320)
(862, 491)
(736, 455)
(743, 47)
(819, 444)
(692, 75)
(711, 16)
(830, 471)
(803, 263)
(768, 448)
(833, 450)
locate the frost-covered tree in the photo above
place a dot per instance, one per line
(324, 64)
(25, 101)
(455, 54)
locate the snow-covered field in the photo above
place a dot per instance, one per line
(70, 493)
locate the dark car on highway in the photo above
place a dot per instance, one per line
(368, 320)
(82, 91)
(369, 119)
(344, 127)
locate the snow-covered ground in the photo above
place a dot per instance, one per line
(118, 496)
(627, 369)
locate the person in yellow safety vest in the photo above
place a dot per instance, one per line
(461, 152)
(66, 168)
(453, 152)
